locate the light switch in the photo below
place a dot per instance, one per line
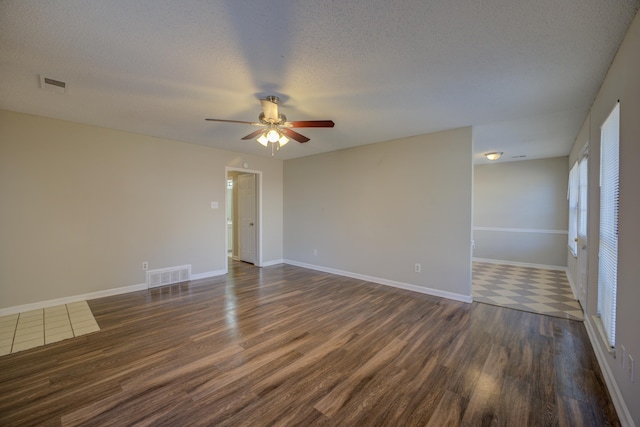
(214, 205)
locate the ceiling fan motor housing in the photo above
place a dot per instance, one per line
(281, 119)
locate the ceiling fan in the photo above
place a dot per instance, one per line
(275, 127)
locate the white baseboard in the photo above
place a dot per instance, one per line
(393, 283)
(573, 285)
(520, 264)
(609, 379)
(272, 262)
(70, 299)
(93, 295)
(208, 274)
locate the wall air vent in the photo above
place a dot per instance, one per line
(52, 85)
(168, 276)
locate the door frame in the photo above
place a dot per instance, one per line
(582, 247)
(258, 227)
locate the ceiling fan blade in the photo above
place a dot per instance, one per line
(235, 121)
(294, 135)
(253, 134)
(310, 124)
(270, 109)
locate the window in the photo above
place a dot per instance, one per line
(582, 198)
(572, 195)
(608, 247)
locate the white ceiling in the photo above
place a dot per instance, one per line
(522, 72)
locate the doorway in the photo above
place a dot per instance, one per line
(243, 215)
(521, 235)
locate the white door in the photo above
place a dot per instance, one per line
(229, 217)
(247, 217)
(582, 231)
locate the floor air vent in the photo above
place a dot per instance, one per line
(168, 276)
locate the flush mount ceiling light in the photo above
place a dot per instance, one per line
(493, 155)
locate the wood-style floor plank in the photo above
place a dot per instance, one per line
(283, 345)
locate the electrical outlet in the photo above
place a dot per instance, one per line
(145, 265)
(315, 252)
(417, 268)
(630, 367)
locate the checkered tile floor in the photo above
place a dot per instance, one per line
(524, 288)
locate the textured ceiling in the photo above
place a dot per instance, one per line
(522, 72)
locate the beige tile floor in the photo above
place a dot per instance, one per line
(31, 329)
(524, 288)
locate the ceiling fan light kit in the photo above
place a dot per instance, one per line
(274, 137)
(278, 130)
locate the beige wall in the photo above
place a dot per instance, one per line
(520, 211)
(379, 209)
(82, 207)
(621, 83)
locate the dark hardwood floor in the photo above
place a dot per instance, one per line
(283, 345)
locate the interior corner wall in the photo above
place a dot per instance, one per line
(620, 84)
(82, 207)
(379, 209)
(520, 211)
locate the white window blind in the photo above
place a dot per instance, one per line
(572, 196)
(582, 198)
(608, 247)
